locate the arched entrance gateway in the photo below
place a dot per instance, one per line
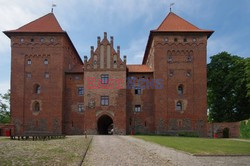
(105, 125)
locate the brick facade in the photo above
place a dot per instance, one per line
(54, 91)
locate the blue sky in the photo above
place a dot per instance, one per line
(129, 21)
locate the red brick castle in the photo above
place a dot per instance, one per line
(54, 91)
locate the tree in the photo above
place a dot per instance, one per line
(228, 91)
(4, 108)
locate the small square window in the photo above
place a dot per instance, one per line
(175, 39)
(80, 107)
(29, 62)
(80, 91)
(185, 40)
(137, 108)
(137, 90)
(104, 78)
(31, 40)
(52, 40)
(29, 75)
(46, 75)
(21, 40)
(104, 100)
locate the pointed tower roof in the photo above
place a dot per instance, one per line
(175, 23)
(47, 23)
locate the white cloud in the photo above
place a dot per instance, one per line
(4, 87)
(135, 51)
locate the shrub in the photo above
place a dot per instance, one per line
(245, 129)
(188, 134)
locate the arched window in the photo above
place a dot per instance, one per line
(36, 106)
(37, 89)
(179, 105)
(29, 62)
(180, 89)
(46, 61)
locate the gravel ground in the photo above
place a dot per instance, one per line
(61, 152)
(126, 150)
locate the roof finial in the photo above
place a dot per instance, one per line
(52, 7)
(171, 4)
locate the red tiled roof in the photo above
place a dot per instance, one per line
(138, 69)
(47, 23)
(174, 23)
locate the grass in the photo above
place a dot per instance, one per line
(68, 151)
(202, 146)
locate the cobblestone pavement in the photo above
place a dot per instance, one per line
(126, 150)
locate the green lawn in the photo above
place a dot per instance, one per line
(202, 146)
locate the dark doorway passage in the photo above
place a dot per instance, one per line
(105, 125)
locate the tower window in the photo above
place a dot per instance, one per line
(179, 106)
(104, 100)
(104, 78)
(137, 90)
(137, 108)
(189, 73)
(37, 89)
(170, 59)
(46, 75)
(189, 58)
(42, 40)
(29, 75)
(52, 40)
(114, 61)
(80, 107)
(80, 91)
(180, 89)
(46, 61)
(36, 106)
(29, 62)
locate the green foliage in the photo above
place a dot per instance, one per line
(4, 108)
(245, 129)
(228, 81)
(188, 134)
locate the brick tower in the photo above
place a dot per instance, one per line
(176, 52)
(40, 54)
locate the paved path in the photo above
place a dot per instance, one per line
(126, 150)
